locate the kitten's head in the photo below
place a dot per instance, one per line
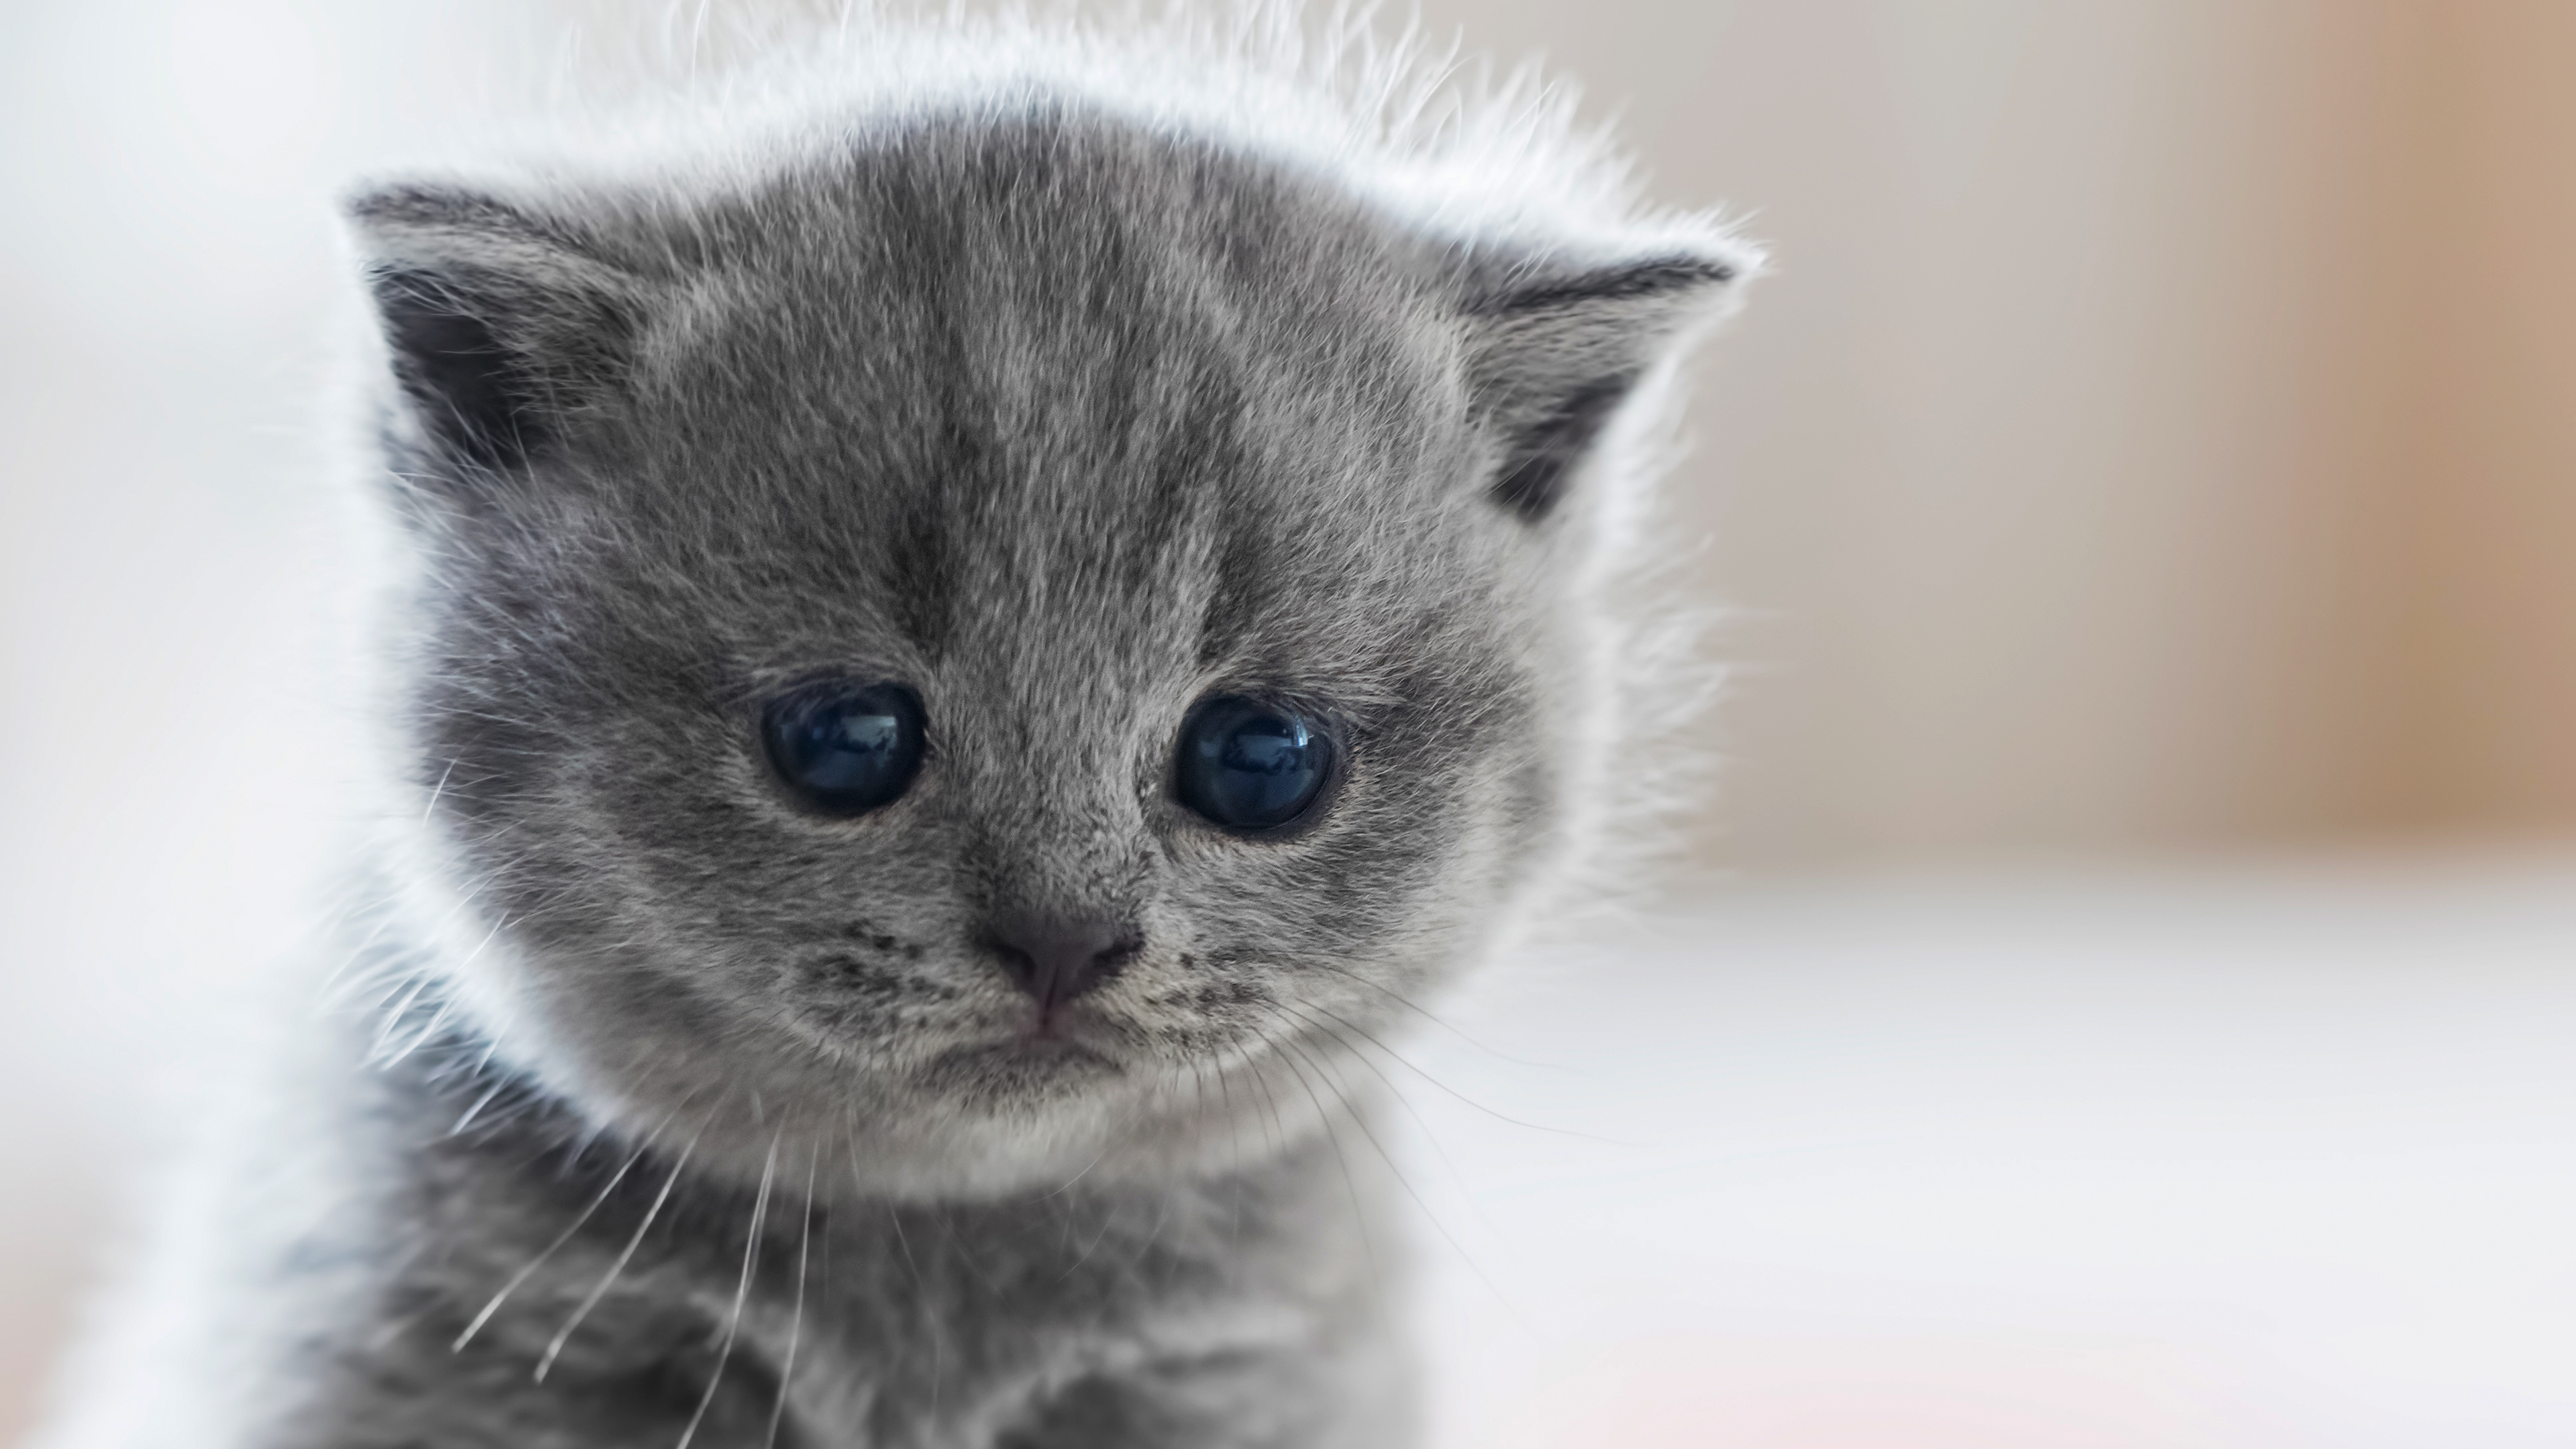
(1010, 643)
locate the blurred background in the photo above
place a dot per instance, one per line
(2123, 992)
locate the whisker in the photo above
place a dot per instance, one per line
(564, 1334)
(1108, 1224)
(796, 1323)
(1456, 1177)
(1361, 1122)
(1350, 1184)
(1234, 1143)
(357, 953)
(1278, 1128)
(436, 791)
(426, 1034)
(538, 1261)
(1401, 1000)
(496, 1089)
(903, 1243)
(741, 1293)
(421, 982)
(1086, 1171)
(1407, 1064)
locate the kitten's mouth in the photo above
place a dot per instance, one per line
(1028, 1063)
(1047, 1046)
(1056, 1037)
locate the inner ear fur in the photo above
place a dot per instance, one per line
(1553, 351)
(499, 324)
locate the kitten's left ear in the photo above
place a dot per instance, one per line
(502, 323)
(1554, 349)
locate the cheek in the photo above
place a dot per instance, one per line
(1364, 882)
(1441, 825)
(691, 849)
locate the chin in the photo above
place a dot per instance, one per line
(1031, 1114)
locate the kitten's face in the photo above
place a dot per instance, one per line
(1021, 661)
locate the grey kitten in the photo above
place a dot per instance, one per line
(972, 630)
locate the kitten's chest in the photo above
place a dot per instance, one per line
(849, 1324)
(934, 1318)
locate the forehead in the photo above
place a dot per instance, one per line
(979, 374)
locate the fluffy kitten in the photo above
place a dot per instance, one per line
(972, 628)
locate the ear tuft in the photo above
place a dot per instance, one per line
(1542, 455)
(1553, 352)
(474, 395)
(499, 322)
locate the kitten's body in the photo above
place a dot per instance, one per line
(327, 1303)
(684, 1112)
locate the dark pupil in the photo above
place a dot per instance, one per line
(1251, 765)
(846, 749)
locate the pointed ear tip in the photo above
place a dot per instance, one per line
(379, 204)
(1721, 261)
(389, 223)
(1750, 264)
(1698, 250)
(382, 212)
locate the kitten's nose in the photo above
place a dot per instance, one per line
(1057, 958)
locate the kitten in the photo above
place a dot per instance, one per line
(971, 630)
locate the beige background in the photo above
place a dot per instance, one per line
(2158, 439)
(2161, 428)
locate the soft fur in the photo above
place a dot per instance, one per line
(679, 1114)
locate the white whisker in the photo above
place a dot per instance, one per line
(564, 1334)
(796, 1322)
(538, 1261)
(741, 1294)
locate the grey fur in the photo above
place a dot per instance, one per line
(1067, 417)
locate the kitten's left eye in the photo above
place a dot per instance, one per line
(845, 748)
(1248, 765)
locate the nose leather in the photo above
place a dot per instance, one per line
(1057, 958)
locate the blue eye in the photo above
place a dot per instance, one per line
(1251, 766)
(846, 748)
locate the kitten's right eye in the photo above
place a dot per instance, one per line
(845, 749)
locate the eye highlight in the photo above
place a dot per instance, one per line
(845, 749)
(1247, 765)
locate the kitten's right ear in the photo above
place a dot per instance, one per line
(501, 324)
(1556, 347)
